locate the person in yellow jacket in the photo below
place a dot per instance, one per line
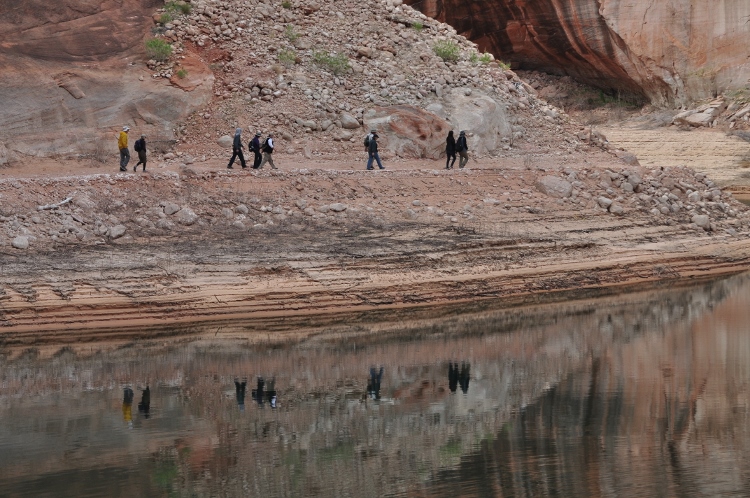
(122, 144)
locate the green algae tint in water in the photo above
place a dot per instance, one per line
(639, 395)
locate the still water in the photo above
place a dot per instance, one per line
(635, 395)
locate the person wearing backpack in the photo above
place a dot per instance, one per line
(140, 147)
(368, 137)
(372, 151)
(267, 150)
(122, 144)
(462, 148)
(254, 146)
(450, 151)
(237, 149)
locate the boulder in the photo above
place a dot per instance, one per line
(117, 231)
(171, 208)
(408, 131)
(348, 121)
(20, 242)
(186, 216)
(554, 186)
(702, 221)
(225, 141)
(485, 120)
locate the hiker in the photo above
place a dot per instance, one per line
(122, 144)
(237, 149)
(462, 149)
(140, 147)
(254, 146)
(267, 150)
(145, 405)
(368, 137)
(127, 406)
(372, 150)
(450, 151)
(239, 388)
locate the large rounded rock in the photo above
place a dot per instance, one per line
(408, 131)
(20, 242)
(349, 122)
(226, 141)
(186, 216)
(485, 121)
(554, 186)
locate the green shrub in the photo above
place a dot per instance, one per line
(474, 58)
(333, 62)
(286, 4)
(181, 73)
(503, 65)
(158, 49)
(446, 50)
(418, 26)
(485, 58)
(288, 57)
(165, 18)
(290, 33)
(178, 7)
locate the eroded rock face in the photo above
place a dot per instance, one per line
(671, 52)
(72, 73)
(408, 131)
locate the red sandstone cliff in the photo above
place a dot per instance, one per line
(669, 51)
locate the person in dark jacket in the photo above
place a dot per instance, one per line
(450, 150)
(237, 149)
(254, 146)
(372, 152)
(462, 148)
(140, 148)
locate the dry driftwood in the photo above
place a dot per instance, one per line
(54, 206)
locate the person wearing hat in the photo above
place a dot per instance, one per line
(367, 141)
(450, 151)
(122, 144)
(140, 147)
(372, 151)
(462, 148)
(254, 146)
(267, 150)
(237, 149)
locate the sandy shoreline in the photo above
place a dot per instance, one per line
(407, 239)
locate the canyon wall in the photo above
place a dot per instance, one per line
(670, 51)
(72, 72)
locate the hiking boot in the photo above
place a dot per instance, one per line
(135, 168)
(230, 167)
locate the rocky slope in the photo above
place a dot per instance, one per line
(670, 52)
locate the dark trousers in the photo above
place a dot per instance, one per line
(237, 153)
(124, 159)
(258, 158)
(448, 163)
(141, 160)
(376, 157)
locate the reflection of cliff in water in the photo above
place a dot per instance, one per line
(552, 392)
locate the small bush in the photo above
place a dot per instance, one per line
(286, 4)
(474, 58)
(446, 50)
(485, 58)
(333, 62)
(165, 18)
(178, 7)
(158, 49)
(288, 57)
(181, 73)
(290, 33)
(418, 26)
(503, 65)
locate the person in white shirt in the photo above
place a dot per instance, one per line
(267, 150)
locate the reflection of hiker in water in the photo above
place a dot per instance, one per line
(145, 405)
(373, 383)
(127, 406)
(265, 393)
(463, 377)
(456, 377)
(240, 391)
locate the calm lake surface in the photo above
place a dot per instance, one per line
(635, 395)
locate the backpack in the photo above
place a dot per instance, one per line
(367, 140)
(138, 146)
